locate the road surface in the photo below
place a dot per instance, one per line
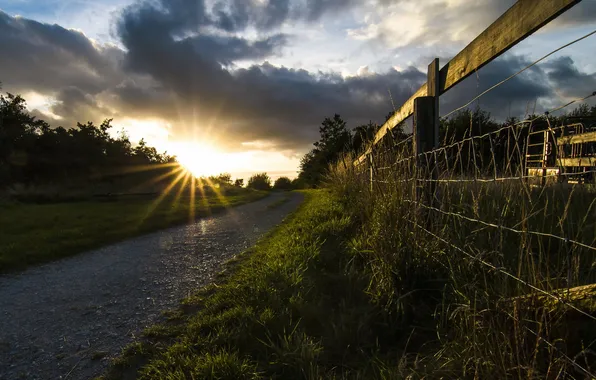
(67, 319)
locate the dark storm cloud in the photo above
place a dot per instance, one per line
(510, 98)
(234, 15)
(46, 57)
(568, 80)
(179, 64)
(260, 102)
(73, 104)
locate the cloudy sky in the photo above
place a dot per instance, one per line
(251, 80)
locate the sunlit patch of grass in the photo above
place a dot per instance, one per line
(349, 288)
(294, 306)
(480, 291)
(37, 233)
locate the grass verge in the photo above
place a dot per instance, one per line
(293, 307)
(349, 292)
(37, 233)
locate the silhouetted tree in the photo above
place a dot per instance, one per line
(335, 140)
(259, 181)
(282, 183)
(32, 152)
(222, 179)
(239, 182)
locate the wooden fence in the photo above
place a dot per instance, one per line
(521, 20)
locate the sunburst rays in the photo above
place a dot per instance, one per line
(179, 185)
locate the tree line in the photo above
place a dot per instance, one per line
(33, 152)
(337, 140)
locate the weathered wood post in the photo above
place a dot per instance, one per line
(423, 142)
(426, 136)
(370, 168)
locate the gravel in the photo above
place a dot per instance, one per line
(67, 319)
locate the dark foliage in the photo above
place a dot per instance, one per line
(283, 183)
(259, 181)
(335, 141)
(33, 152)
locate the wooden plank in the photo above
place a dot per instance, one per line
(424, 139)
(405, 111)
(517, 23)
(577, 139)
(423, 124)
(432, 88)
(575, 162)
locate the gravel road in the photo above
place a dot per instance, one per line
(65, 320)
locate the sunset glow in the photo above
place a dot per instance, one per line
(202, 159)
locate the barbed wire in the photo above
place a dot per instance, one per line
(502, 271)
(570, 103)
(519, 72)
(486, 180)
(500, 227)
(521, 124)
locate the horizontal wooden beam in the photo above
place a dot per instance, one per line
(405, 111)
(577, 139)
(577, 162)
(517, 23)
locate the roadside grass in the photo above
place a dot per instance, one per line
(37, 233)
(492, 269)
(354, 286)
(294, 306)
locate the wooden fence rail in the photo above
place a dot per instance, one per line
(518, 22)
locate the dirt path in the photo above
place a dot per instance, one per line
(65, 320)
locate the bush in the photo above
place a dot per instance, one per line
(239, 182)
(283, 183)
(259, 181)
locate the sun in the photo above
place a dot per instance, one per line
(202, 160)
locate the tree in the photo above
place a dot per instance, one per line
(239, 182)
(222, 179)
(33, 152)
(259, 181)
(282, 183)
(335, 140)
(335, 137)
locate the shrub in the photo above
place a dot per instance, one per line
(259, 181)
(283, 183)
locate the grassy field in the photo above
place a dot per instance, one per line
(36, 233)
(363, 292)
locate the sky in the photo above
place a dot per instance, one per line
(245, 84)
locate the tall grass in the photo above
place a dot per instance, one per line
(483, 274)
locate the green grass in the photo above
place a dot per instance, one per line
(350, 288)
(36, 233)
(292, 307)
(479, 288)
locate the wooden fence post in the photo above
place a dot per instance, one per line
(424, 116)
(370, 168)
(433, 89)
(426, 135)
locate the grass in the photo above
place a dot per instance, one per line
(366, 284)
(495, 270)
(294, 306)
(37, 233)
